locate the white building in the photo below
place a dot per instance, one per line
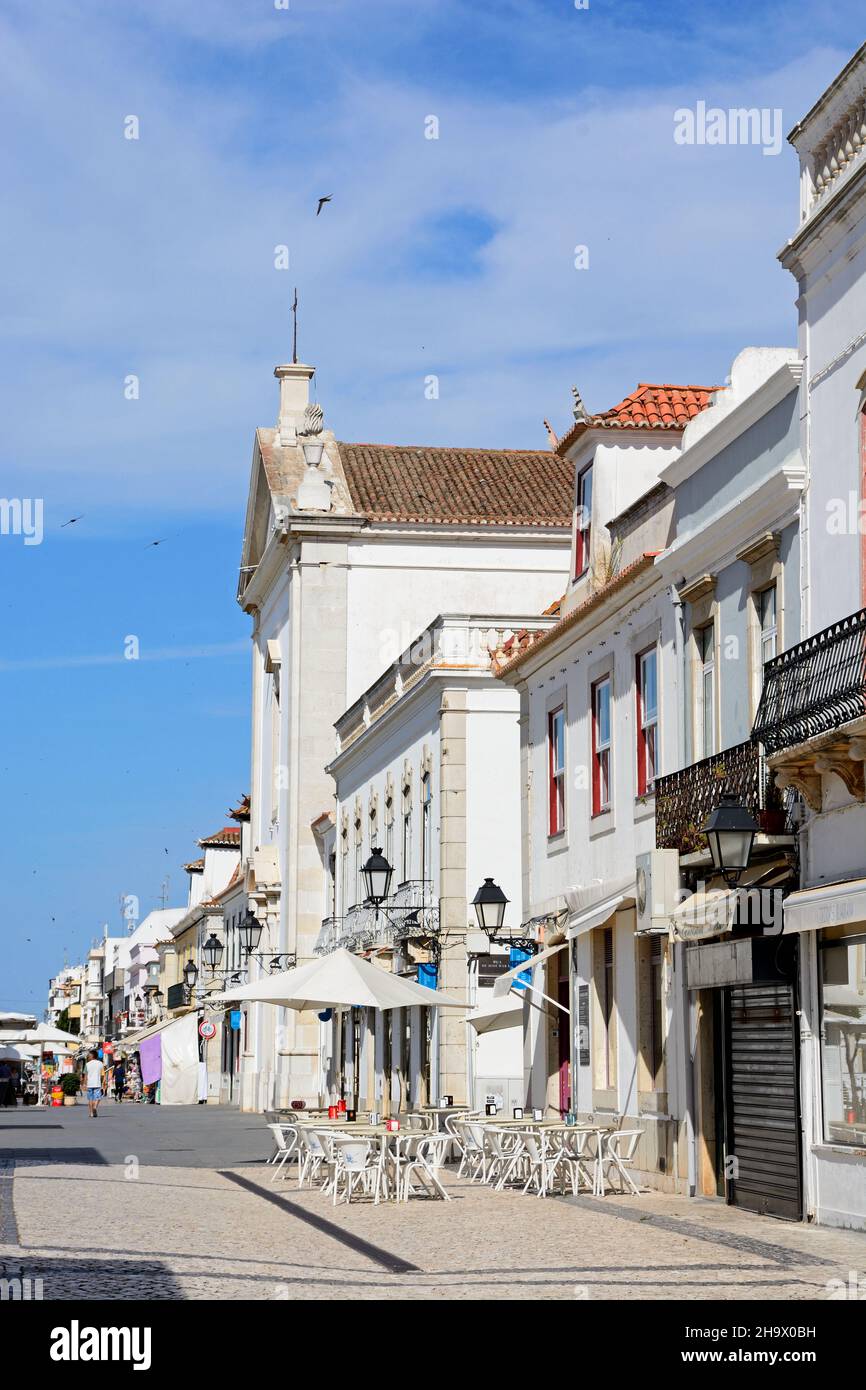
(427, 771)
(654, 666)
(345, 557)
(811, 722)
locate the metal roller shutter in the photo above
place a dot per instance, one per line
(763, 1130)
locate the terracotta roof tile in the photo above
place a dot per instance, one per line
(480, 487)
(196, 866)
(649, 407)
(242, 810)
(229, 835)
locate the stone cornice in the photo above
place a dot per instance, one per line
(732, 423)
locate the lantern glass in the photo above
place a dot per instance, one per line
(377, 877)
(313, 449)
(730, 832)
(250, 933)
(190, 973)
(490, 903)
(212, 951)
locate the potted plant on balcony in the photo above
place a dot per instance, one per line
(771, 817)
(70, 1085)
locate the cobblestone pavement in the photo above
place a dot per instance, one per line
(98, 1228)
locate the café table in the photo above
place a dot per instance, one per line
(393, 1146)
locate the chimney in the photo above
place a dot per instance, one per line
(294, 379)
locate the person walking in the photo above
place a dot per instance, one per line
(93, 1076)
(119, 1079)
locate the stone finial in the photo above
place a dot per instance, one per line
(551, 434)
(578, 409)
(313, 419)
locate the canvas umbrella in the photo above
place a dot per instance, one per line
(45, 1035)
(337, 981)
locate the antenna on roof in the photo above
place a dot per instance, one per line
(295, 327)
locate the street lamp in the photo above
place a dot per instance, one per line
(377, 877)
(490, 903)
(250, 933)
(212, 951)
(190, 974)
(730, 832)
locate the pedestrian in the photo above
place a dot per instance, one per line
(93, 1076)
(119, 1079)
(7, 1085)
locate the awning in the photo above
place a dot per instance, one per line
(497, 1013)
(704, 914)
(504, 982)
(133, 1039)
(831, 905)
(596, 916)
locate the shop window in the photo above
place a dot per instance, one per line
(843, 1052)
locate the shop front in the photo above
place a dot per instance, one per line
(829, 923)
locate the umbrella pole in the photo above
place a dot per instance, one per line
(40, 1102)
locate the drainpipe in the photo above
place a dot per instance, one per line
(682, 999)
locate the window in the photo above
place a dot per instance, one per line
(426, 825)
(406, 861)
(601, 746)
(583, 522)
(647, 721)
(344, 870)
(842, 954)
(706, 701)
(556, 771)
(388, 848)
(767, 622)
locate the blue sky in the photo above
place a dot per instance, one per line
(455, 256)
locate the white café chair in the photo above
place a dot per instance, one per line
(312, 1157)
(423, 1157)
(504, 1152)
(357, 1164)
(582, 1148)
(286, 1140)
(617, 1150)
(543, 1166)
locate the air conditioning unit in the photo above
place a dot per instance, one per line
(658, 880)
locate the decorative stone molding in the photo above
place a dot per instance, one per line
(803, 780)
(698, 589)
(765, 544)
(851, 773)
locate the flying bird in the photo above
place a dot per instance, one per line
(152, 543)
(72, 520)
(322, 202)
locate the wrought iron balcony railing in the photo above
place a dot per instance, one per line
(814, 687)
(684, 799)
(410, 913)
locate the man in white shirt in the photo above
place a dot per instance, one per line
(93, 1076)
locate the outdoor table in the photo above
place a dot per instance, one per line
(393, 1139)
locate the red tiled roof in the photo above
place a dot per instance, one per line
(479, 487)
(242, 810)
(529, 641)
(196, 866)
(649, 407)
(229, 835)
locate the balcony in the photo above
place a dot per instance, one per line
(409, 914)
(684, 799)
(812, 717)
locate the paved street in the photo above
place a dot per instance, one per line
(176, 1204)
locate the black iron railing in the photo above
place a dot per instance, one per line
(814, 687)
(684, 799)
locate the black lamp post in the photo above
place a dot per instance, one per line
(250, 933)
(212, 951)
(190, 974)
(377, 877)
(490, 903)
(730, 832)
